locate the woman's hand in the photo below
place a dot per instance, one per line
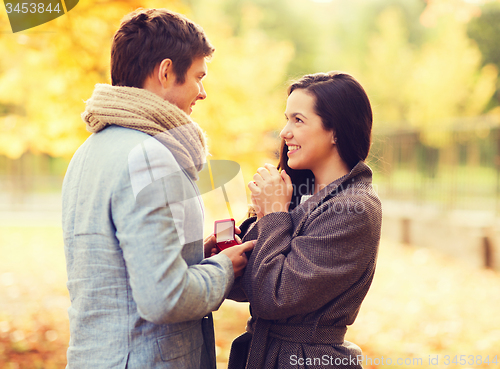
(271, 190)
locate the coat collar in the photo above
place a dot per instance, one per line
(360, 173)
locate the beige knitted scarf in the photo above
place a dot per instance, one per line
(147, 112)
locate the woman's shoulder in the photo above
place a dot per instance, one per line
(356, 186)
(352, 201)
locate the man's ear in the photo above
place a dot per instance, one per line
(166, 74)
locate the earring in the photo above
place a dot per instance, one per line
(335, 140)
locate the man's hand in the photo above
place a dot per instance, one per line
(209, 243)
(238, 257)
(209, 246)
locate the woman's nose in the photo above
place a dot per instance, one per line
(285, 132)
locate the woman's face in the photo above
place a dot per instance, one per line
(310, 146)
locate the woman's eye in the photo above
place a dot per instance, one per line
(298, 120)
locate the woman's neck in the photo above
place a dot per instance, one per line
(324, 176)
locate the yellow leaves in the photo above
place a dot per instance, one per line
(448, 83)
(53, 68)
(50, 70)
(462, 11)
(389, 63)
(44, 101)
(245, 92)
(9, 95)
(426, 86)
(10, 144)
(483, 90)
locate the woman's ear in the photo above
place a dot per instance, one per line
(334, 138)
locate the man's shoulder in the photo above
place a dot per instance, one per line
(116, 144)
(125, 154)
(116, 137)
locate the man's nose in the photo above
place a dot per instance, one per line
(203, 94)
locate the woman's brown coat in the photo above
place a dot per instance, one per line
(307, 276)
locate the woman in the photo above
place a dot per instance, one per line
(317, 227)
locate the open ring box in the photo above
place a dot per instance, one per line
(224, 233)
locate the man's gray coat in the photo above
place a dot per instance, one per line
(138, 281)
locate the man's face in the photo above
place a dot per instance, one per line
(185, 95)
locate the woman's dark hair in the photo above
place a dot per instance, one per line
(343, 106)
(148, 36)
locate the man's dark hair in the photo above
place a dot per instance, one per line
(148, 36)
(343, 106)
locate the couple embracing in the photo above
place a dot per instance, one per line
(142, 280)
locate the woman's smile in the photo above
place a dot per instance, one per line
(292, 149)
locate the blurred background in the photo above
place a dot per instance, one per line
(430, 69)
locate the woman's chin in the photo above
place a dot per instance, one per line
(293, 165)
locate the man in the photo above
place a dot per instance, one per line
(142, 283)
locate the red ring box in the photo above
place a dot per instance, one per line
(224, 233)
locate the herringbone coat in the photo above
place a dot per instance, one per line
(306, 278)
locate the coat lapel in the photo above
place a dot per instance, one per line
(333, 189)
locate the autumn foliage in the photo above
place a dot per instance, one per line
(419, 66)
